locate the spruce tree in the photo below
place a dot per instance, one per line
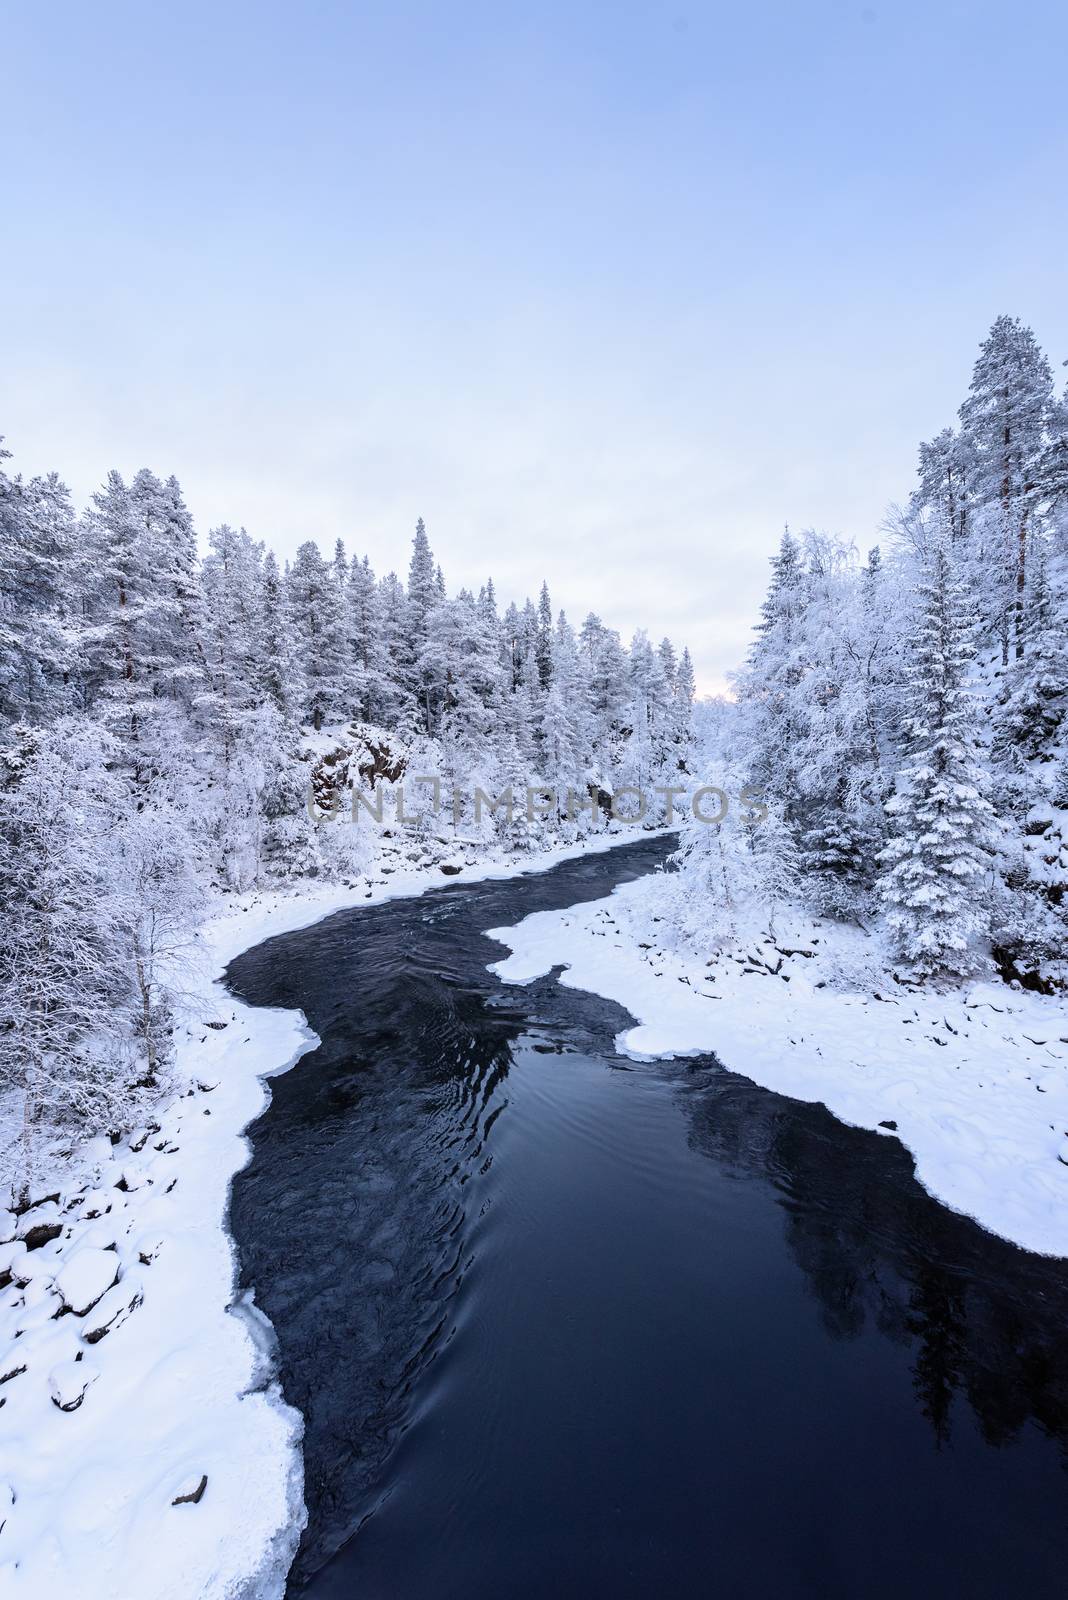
(316, 600)
(769, 688)
(543, 638)
(942, 824)
(422, 663)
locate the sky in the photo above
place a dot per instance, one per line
(607, 293)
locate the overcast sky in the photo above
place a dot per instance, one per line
(605, 292)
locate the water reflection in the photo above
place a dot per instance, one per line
(986, 1323)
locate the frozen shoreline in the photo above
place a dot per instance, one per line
(973, 1083)
(179, 1385)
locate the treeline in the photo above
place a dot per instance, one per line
(907, 716)
(163, 716)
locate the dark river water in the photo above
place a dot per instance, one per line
(562, 1325)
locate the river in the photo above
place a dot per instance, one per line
(565, 1325)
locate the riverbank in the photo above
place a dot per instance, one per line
(974, 1083)
(147, 1450)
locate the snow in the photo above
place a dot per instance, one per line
(87, 1276)
(69, 1381)
(41, 1216)
(178, 1389)
(975, 1080)
(170, 1378)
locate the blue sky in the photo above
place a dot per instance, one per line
(606, 293)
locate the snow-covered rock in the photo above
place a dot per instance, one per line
(147, 1246)
(32, 1264)
(40, 1288)
(38, 1313)
(87, 1276)
(112, 1309)
(36, 1232)
(37, 1220)
(100, 1203)
(101, 1234)
(190, 1492)
(10, 1254)
(7, 1226)
(68, 1382)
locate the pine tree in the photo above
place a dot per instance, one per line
(424, 668)
(469, 666)
(564, 717)
(942, 824)
(422, 582)
(147, 647)
(945, 470)
(604, 671)
(769, 688)
(367, 645)
(1003, 422)
(316, 600)
(279, 669)
(397, 704)
(36, 639)
(232, 584)
(668, 663)
(683, 699)
(543, 638)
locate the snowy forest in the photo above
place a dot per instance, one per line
(176, 728)
(165, 715)
(905, 715)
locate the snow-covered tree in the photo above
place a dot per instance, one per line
(66, 990)
(938, 859)
(1028, 722)
(37, 598)
(769, 687)
(1003, 423)
(316, 595)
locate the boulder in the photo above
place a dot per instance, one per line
(11, 1255)
(39, 1225)
(32, 1264)
(68, 1381)
(86, 1277)
(191, 1491)
(111, 1310)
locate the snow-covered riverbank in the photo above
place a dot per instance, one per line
(974, 1083)
(147, 1453)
